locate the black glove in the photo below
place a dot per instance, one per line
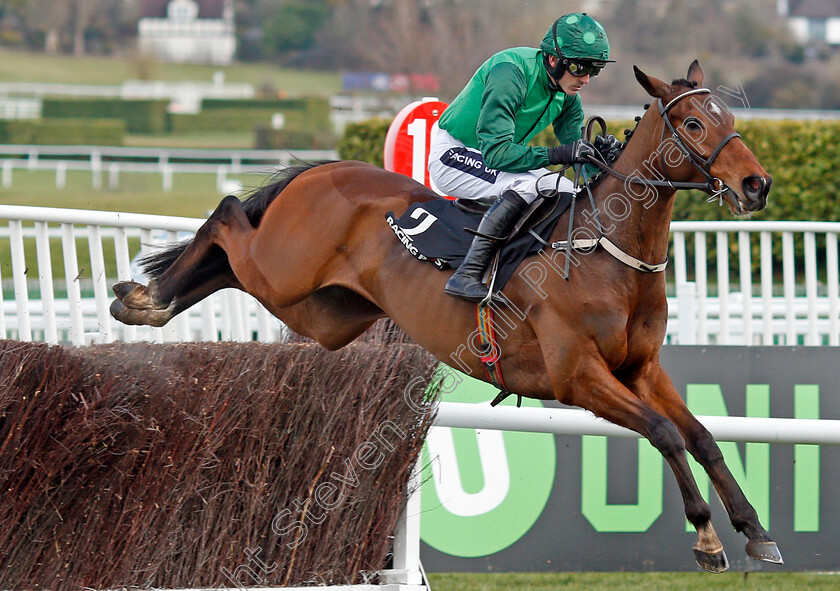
(575, 153)
(609, 146)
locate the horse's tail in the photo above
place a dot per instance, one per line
(255, 205)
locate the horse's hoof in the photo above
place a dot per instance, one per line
(139, 317)
(713, 562)
(123, 288)
(766, 551)
(137, 296)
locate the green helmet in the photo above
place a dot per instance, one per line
(577, 35)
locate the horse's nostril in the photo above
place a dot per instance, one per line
(754, 186)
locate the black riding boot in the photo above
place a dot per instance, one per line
(498, 222)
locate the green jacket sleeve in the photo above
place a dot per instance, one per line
(504, 91)
(568, 127)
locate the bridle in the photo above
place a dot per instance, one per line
(714, 186)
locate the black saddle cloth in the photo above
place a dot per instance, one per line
(435, 232)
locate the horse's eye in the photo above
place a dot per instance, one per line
(693, 124)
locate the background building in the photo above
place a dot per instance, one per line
(188, 30)
(813, 20)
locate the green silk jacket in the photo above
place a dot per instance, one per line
(505, 104)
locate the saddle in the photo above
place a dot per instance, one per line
(441, 231)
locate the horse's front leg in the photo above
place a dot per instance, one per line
(663, 396)
(597, 390)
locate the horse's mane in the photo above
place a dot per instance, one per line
(683, 82)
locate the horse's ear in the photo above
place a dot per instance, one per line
(654, 86)
(695, 73)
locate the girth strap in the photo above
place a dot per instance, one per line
(490, 353)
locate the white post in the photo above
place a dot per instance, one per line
(71, 277)
(113, 175)
(7, 173)
(811, 338)
(221, 178)
(100, 284)
(264, 333)
(406, 553)
(767, 286)
(745, 271)
(166, 173)
(723, 286)
(687, 313)
(42, 249)
(225, 297)
(32, 162)
(19, 275)
(60, 174)
(208, 319)
(833, 303)
(700, 277)
(2, 309)
(96, 169)
(680, 275)
(788, 277)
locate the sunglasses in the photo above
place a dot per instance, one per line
(580, 68)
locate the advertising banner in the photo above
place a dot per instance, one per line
(508, 501)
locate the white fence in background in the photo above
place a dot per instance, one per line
(796, 302)
(110, 162)
(185, 96)
(80, 316)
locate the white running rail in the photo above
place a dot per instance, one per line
(80, 315)
(742, 298)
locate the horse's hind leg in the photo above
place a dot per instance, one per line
(598, 391)
(700, 443)
(178, 305)
(160, 292)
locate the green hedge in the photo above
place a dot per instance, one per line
(140, 116)
(310, 112)
(220, 120)
(267, 138)
(101, 132)
(800, 155)
(364, 141)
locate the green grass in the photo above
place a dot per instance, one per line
(19, 66)
(632, 581)
(196, 139)
(192, 195)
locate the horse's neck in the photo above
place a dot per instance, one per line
(637, 217)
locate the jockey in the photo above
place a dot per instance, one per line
(480, 149)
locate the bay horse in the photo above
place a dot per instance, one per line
(313, 246)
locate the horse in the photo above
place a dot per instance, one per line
(313, 247)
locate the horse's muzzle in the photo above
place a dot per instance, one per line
(755, 189)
